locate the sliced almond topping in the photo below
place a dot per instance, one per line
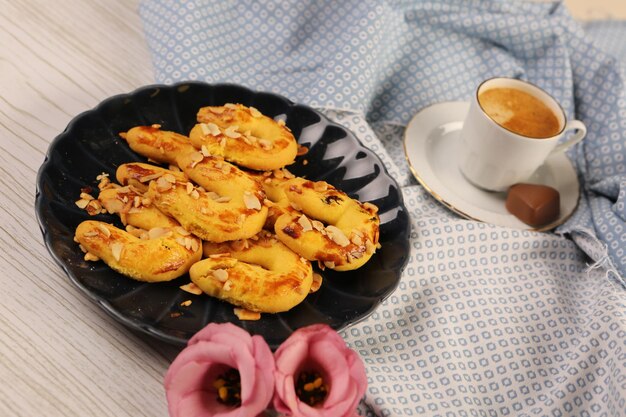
(191, 288)
(369, 246)
(195, 194)
(210, 129)
(223, 199)
(280, 122)
(163, 185)
(194, 245)
(174, 168)
(90, 234)
(255, 112)
(356, 239)
(232, 132)
(288, 174)
(82, 203)
(205, 151)
(185, 303)
(147, 178)
(169, 178)
(305, 223)
(251, 201)
(219, 255)
(102, 176)
(196, 158)
(317, 225)
(223, 143)
(86, 196)
(189, 188)
(220, 274)
(230, 105)
(91, 257)
(216, 110)
(181, 241)
(295, 206)
(226, 169)
(82, 248)
(93, 207)
(116, 250)
(316, 283)
(228, 285)
(337, 236)
(157, 232)
(329, 264)
(136, 201)
(243, 314)
(105, 230)
(182, 231)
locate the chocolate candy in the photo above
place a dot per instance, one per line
(536, 205)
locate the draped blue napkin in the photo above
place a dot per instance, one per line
(486, 320)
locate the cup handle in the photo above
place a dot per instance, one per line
(576, 137)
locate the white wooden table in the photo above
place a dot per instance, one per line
(60, 354)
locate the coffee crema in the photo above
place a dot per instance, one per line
(519, 112)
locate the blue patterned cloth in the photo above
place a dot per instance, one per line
(486, 320)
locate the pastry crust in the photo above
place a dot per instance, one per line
(334, 229)
(244, 136)
(162, 258)
(259, 275)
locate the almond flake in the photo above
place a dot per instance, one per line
(136, 201)
(157, 232)
(280, 122)
(369, 246)
(230, 106)
(231, 132)
(196, 158)
(223, 143)
(91, 257)
(295, 206)
(316, 283)
(255, 112)
(220, 274)
(251, 201)
(205, 151)
(191, 288)
(216, 110)
(147, 178)
(337, 236)
(181, 241)
(219, 255)
(86, 196)
(223, 199)
(90, 234)
(317, 225)
(194, 245)
(182, 231)
(195, 194)
(356, 239)
(105, 230)
(185, 303)
(82, 248)
(93, 207)
(82, 203)
(228, 285)
(116, 250)
(163, 184)
(210, 129)
(305, 223)
(102, 176)
(243, 314)
(169, 178)
(226, 169)
(329, 264)
(189, 188)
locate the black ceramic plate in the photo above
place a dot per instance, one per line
(90, 145)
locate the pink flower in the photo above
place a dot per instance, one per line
(317, 375)
(222, 372)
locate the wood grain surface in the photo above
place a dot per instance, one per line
(60, 354)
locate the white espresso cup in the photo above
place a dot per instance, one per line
(507, 135)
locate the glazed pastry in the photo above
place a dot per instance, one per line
(259, 275)
(334, 229)
(166, 254)
(244, 136)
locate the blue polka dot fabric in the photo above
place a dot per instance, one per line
(486, 321)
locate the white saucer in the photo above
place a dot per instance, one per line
(431, 147)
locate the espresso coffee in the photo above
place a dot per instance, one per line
(519, 112)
